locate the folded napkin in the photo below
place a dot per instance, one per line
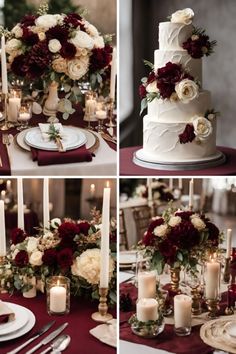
(6, 314)
(44, 128)
(106, 332)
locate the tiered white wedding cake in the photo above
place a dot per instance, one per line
(180, 125)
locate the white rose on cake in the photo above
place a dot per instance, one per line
(82, 40)
(54, 45)
(152, 87)
(46, 21)
(161, 230)
(36, 258)
(184, 16)
(187, 90)
(202, 128)
(78, 67)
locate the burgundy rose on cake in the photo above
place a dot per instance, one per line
(199, 44)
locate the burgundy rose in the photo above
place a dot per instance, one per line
(28, 20)
(83, 227)
(68, 50)
(50, 257)
(165, 88)
(67, 243)
(148, 239)
(21, 259)
(170, 73)
(73, 20)
(100, 58)
(188, 134)
(17, 236)
(199, 46)
(64, 258)
(155, 223)
(166, 196)
(213, 233)
(68, 230)
(29, 37)
(184, 235)
(185, 215)
(18, 66)
(39, 59)
(142, 91)
(58, 32)
(168, 251)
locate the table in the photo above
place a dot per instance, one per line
(80, 322)
(103, 164)
(128, 168)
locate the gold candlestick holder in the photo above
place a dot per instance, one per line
(3, 261)
(213, 307)
(196, 302)
(226, 275)
(6, 125)
(102, 315)
(111, 124)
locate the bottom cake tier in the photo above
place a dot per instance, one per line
(161, 141)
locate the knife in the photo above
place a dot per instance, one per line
(34, 336)
(48, 339)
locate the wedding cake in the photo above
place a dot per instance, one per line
(180, 125)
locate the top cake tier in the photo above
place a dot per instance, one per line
(173, 35)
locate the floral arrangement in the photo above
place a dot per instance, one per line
(199, 44)
(180, 238)
(169, 82)
(69, 248)
(159, 189)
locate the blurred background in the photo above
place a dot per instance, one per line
(139, 21)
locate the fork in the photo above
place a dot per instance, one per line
(6, 141)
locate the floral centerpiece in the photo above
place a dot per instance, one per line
(160, 191)
(69, 248)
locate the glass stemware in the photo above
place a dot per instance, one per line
(24, 115)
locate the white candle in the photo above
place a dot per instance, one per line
(105, 235)
(101, 114)
(180, 183)
(147, 310)
(171, 184)
(149, 185)
(8, 185)
(4, 66)
(90, 106)
(20, 204)
(212, 279)
(57, 299)
(13, 108)
(113, 75)
(92, 190)
(229, 243)
(46, 214)
(147, 284)
(3, 230)
(182, 311)
(191, 185)
(3, 195)
(24, 117)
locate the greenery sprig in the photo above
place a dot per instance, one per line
(53, 133)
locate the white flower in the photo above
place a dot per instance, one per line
(161, 230)
(55, 223)
(202, 128)
(211, 116)
(41, 36)
(198, 223)
(59, 65)
(99, 42)
(195, 37)
(174, 220)
(78, 67)
(184, 16)
(152, 87)
(54, 45)
(82, 40)
(87, 266)
(13, 45)
(46, 21)
(187, 90)
(91, 29)
(36, 258)
(17, 31)
(32, 243)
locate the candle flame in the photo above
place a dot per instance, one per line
(92, 186)
(107, 184)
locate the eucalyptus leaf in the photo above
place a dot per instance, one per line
(149, 64)
(143, 105)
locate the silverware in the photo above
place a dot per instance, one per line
(108, 138)
(34, 336)
(6, 141)
(48, 339)
(59, 344)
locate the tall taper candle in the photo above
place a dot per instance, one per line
(149, 186)
(20, 204)
(113, 75)
(4, 66)
(229, 243)
(191, 194)
(105, 250)
(46, 214)
(171, 184)
(180, 183)
(3, 230)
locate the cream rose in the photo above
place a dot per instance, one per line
(198, 223)
(36, 258)
(152, 87)
(91, 29)
(174, 221)
(54, 45)
(161, 230)
(78, 67)
(13, 45)
(46, 21)
(184, 16)
(187, 90)
(32, 244)
(82, 40)
(41, 36)
(99, 42)
(202, 128)
(59, 65)
(17, 31)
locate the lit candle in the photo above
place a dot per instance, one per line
(3, 231)
(3, 195)
(147, 310)
(113, 75)
(101, 114)
(20, 204)
(149, 185)
(4, 66)
(57, 299)
(90, 106)
(105, 235)
(229, 243)
(182, 311)
(171, 184)
(191, 194)
(92, 190)
(13, 108)
(180, 183)
(8, 185)
(212, 279)
(147, 284)
(24, 117)
(46, 213)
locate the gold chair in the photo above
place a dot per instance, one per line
(123, 232)
(142, 216)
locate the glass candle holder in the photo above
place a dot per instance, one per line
(58, 295)
(90, 107)
(14, 103)
(182, 314)
(101, 115)
(24, 115)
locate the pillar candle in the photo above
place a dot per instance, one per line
(171, 184)
(113, 75)
(4, 66)
(147, 310)
(46, 214)
(20, 204)
(147, 284)
(212, 279)
(13, 108)
(92, 190)
(149, 186)
(182, 311)
(229, 243)
(3, 230)
(105, 235)
(180, 183)
(191, 193)
(57, 299)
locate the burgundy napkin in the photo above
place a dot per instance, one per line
(4, 319)
(6, 314)
(44, 157)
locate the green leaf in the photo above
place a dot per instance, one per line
(149, 64)
(144, 80)
(157, 262)
(67, 88)
(143, 105)
(180, 256)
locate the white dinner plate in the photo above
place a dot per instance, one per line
(90, 138)
(127, 257)
(29, 325)
(21, 318)
(72, 139)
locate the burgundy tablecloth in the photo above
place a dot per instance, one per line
(80, 322)
(30, 218)
(128, 168)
